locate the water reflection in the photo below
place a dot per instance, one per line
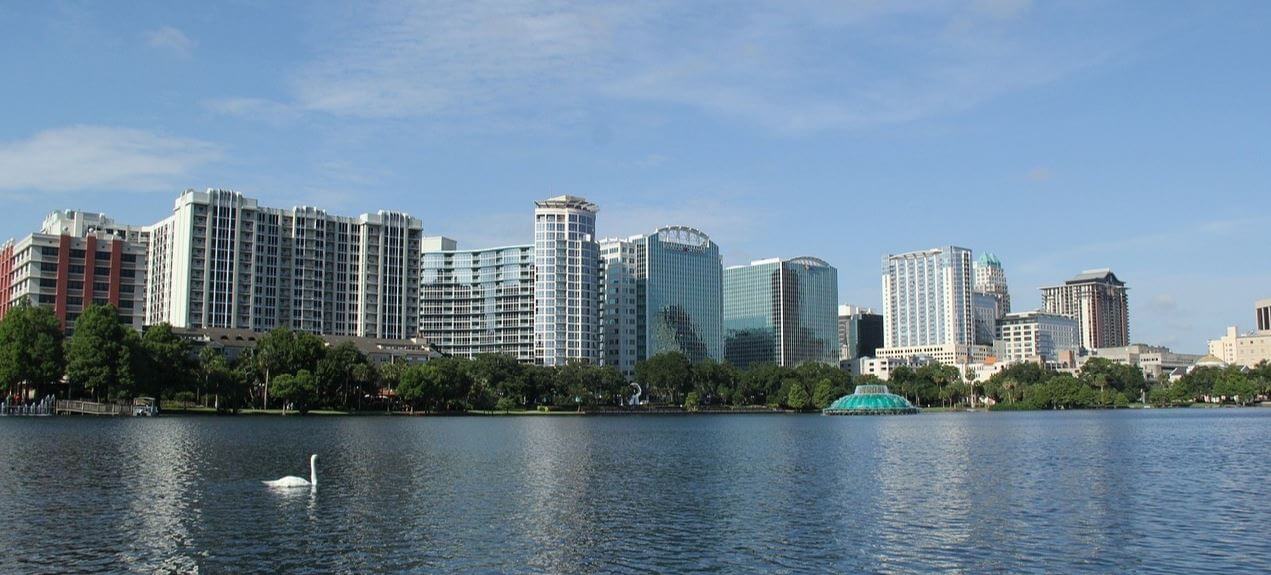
(1167, 492)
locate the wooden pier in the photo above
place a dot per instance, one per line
(78, 407)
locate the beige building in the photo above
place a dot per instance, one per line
(1155, 361)
(1237, 349)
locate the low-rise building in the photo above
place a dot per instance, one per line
(234, 342)
(1242, 349)
(1156, 362)
(1035, 334)
(948, 354)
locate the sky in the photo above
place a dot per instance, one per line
(1061, 136)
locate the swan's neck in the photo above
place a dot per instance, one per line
(313, 472)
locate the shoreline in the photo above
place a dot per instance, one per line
(197, 411)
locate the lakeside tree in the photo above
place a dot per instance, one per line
(665, 376)
(343, 376)
(298, 390)
(166, 366)
(31, 350)
(283, 351)
(102, 355)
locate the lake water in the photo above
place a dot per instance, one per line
(1152, 491)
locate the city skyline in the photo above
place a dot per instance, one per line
(1033, 114)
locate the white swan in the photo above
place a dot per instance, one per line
(293, 481)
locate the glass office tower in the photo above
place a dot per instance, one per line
(781, 311)
(661, 292)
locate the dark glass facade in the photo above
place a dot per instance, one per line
(783, 312)
(679, 298)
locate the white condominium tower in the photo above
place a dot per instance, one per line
(475, 302)
(566, 282)
(223, 261)
(927, 306)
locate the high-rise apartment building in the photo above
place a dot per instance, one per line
(860, 332)
(927, 306)
(566, 282)
(661, 292)
(77, 259)
(782, 312)
(223, 261)
(476, 302)
(1033, 335)
(990, 279)
(1262, 313)
(1100, 304)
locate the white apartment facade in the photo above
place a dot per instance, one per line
(1032, 335)
(479, 301)
(223, 261)
(927, 306)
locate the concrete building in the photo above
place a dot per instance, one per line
(75, 260)
(781, 311)
(990, 279)
(566, 282)
(860, 332)
(1157, 362)
(661, 292)
(1100, 304)
(475, 302)
(927, 306)
(1034, 335)
(1248, 349)
(1262, 314)
(223, 261)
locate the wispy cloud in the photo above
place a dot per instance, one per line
(792, 67)
(170, 39)
(100, 157)
(257, 108)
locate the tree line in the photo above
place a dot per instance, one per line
(106, 360)
(1105, 383)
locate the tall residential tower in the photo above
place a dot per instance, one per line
(1100, 304)
(223, 261)
(927, 306)
(566, 282)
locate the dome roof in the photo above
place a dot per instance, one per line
(870, 400)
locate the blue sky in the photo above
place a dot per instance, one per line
(1060, 135)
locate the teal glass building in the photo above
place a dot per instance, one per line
(781, 311)
(661, 292)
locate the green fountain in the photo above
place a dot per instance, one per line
(871, 400)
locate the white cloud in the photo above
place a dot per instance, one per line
(100, 157)
(170, 39)
(258, 108)
(790, 66)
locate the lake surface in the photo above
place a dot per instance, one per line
(1151, 491)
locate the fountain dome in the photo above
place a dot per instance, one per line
(870, 400)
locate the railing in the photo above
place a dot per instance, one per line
(93, 408)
